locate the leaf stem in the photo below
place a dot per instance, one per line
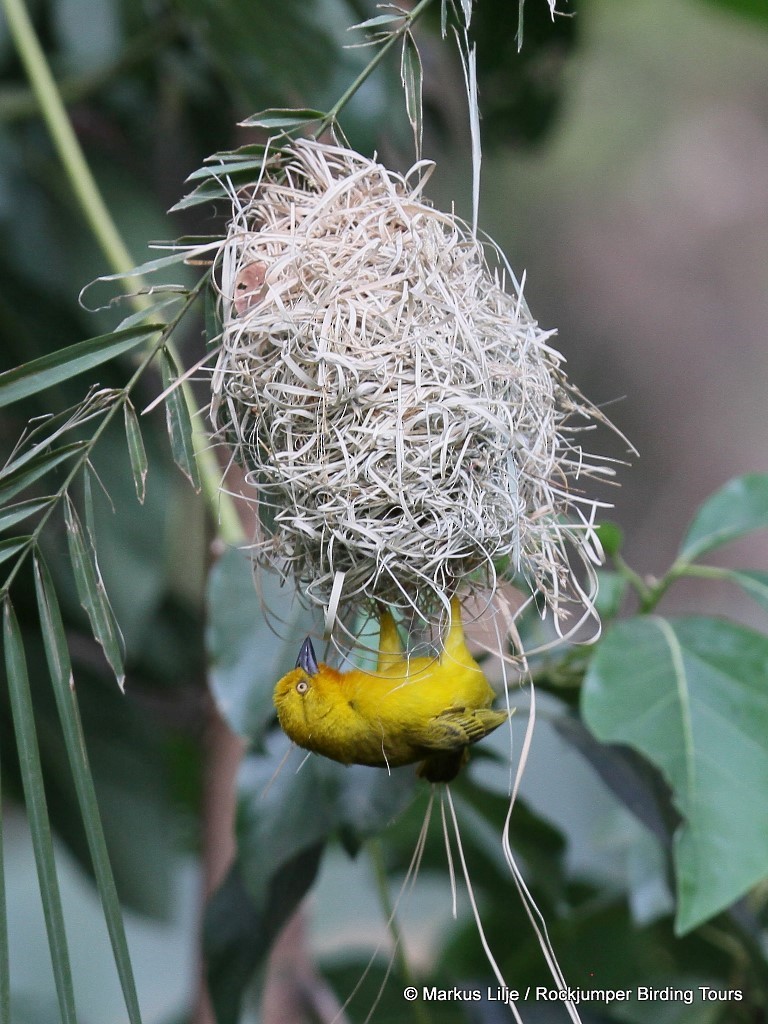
(634, 579)
(705, 572)
(655, 592)
(102, 224)
(651, 594)
(64, 139)
(409, 20)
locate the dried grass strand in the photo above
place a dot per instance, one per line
(405, 425)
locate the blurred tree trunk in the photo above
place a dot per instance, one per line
(294, 992)
(224, 751)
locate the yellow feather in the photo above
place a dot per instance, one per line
(410, 709)
(390, 648)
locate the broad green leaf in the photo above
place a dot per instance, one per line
(481, 814)
(56, 367)
(57, 655)
(369, 800)
(13, 480)
(92, 593)
(285, 816)
(178, 420)
(631, 778)
(611, 537)
(282, 117)
(611, 590)
(738, 508)
(692, 696)
(136, 451)
(412, 76)
(281, 812)
(249, 651)
(12, 546)
(14, 514)
(752, 581)
(37, 811)
(239, 930)
(755, 10)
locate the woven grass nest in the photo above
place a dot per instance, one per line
(405, 426)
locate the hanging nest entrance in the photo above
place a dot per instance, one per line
(405, 426)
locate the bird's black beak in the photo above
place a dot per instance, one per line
(307, 659)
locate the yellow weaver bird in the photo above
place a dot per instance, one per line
(417, 709)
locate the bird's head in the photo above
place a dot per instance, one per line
(306, 693)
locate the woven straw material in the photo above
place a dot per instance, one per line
(406, 428)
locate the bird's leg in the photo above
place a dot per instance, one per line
(390, 647)
(443, 766)
(454, 645)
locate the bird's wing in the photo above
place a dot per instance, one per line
(390, 648)
(458, 727)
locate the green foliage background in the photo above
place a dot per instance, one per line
(671, 712)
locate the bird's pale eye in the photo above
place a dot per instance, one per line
(302, 686)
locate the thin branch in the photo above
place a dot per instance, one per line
(409, 20)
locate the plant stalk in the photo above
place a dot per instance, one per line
(634, 579)
(64, 139)
(110, 241)
(409, 20)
